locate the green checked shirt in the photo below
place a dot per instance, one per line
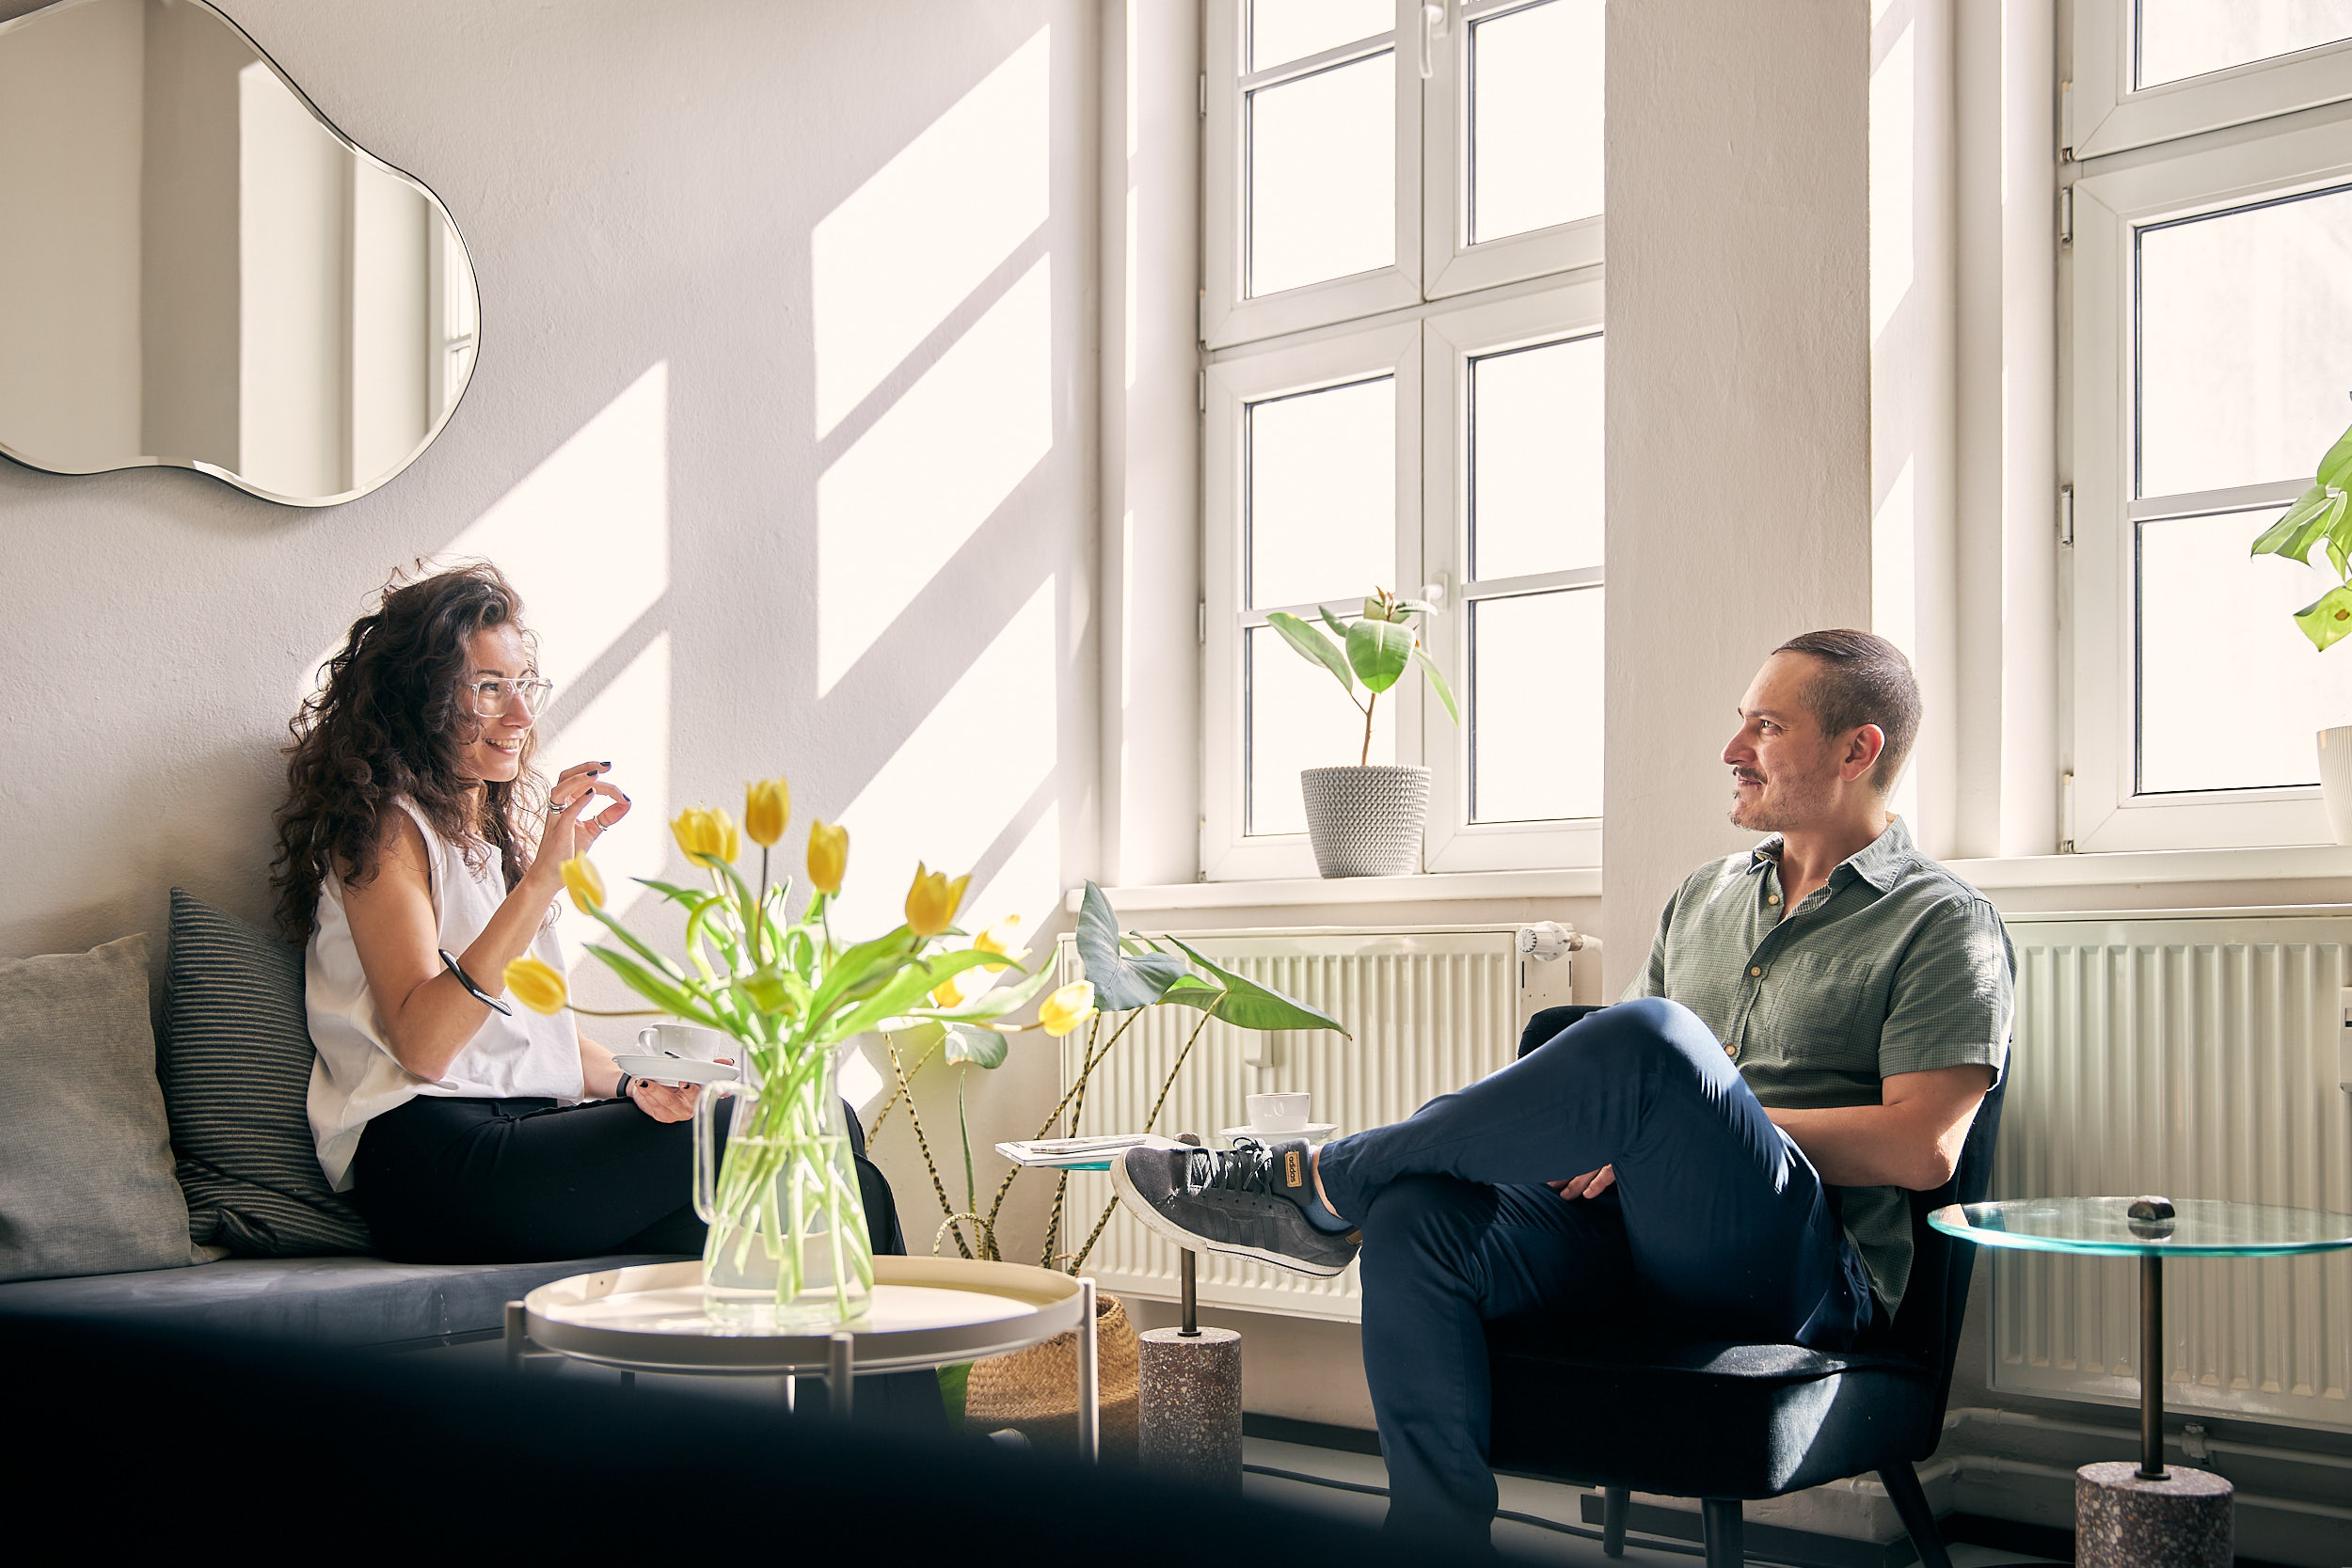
(1893, 965)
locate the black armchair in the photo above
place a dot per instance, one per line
(1626, 1411)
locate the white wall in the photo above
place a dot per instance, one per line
(644, 448)
(1738, 399)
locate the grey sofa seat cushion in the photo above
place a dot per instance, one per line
(236, 1076)
(85, 1183)
(316, 1301)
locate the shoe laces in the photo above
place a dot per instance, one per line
(1247, 1167)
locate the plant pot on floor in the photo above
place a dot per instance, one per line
(2335, 779)
(1366, 821)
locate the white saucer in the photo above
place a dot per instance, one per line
(1315, 1133)
(675, 1070)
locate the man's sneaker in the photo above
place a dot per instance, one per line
(1247, 1203)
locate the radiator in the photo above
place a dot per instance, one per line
(2195, 1058)
(1429, 1011)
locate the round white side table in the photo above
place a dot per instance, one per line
(924, 1312)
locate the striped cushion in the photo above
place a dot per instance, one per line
(236, 1073)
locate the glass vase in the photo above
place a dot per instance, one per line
(787, 1250)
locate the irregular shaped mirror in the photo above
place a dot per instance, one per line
(198, 271)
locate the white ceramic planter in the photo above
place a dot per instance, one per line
(2335, 779)
(1366, 821)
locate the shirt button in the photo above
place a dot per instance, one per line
(1772, 898)
(1731, 1050)
(1755, 971)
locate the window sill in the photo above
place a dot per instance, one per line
(2301, 874)
(1429, 887)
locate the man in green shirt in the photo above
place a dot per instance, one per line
(1725, 1151)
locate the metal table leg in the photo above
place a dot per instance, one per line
(1089, 1379)
(2152, 1367)
(517, 1336)
(840, 1376)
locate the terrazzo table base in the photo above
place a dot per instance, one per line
(2123, 1521)
(1188, 1422)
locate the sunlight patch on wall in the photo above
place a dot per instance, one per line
(585, 536)
(1894, 97)
(627, 725)
(1894, 607)
(1028, 883)
(960, 778)
(897, 505)
(910, 245)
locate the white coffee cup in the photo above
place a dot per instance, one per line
(1280, 1112)
(689, 1040)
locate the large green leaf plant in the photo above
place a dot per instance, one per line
(1374, 650)
(1130, 975)
(2320, 515)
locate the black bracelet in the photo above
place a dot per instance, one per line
(621, 1090)
(466, 980)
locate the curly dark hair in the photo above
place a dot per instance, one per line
(386, 720)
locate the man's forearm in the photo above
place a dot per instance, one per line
(1865, 1146)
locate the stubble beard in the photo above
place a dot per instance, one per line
(1783, 803)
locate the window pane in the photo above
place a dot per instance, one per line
(2230, 692)
(1535, 118)
(1295, 717)
(2245, 343)
(1535, 459)
(2188, 37)
(1323, 176)
(1535, 706)
(1321, 509)
(1292, 29)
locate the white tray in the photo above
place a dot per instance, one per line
(924, 1312)
(1315, 1133)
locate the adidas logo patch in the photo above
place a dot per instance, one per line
(1292, 1175)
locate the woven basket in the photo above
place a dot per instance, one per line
(1366, 821)
(1035, 1391)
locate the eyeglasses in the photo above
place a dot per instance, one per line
(493, 697)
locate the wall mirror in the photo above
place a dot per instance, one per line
(198, 271)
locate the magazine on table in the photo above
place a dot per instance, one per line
(1081, 1151)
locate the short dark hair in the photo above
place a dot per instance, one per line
(1864, 680)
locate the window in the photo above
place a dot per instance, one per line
(1403, 313)
(2209, 360)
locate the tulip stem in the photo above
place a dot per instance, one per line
(633, 1012)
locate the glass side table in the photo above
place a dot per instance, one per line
(2145, 1515)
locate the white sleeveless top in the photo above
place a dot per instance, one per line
(356, 1077)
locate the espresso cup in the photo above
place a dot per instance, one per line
(1280, 1112)
(694, 1043)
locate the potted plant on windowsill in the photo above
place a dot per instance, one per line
(2319, 515)
(1366, 820)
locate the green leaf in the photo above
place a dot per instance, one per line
(2336, 467)
(1417, 607)
(1379, 650)
(996, 1002)
(1338, 627)
(2326, 620)
(901, 994)
(1193, 992)
(1120, 982)
(659, 991)
(968, 1042)
(1252, 1006)
(688, 897)
(1312, 644)
(2315, 527)
(856, 967)
(1445, 692)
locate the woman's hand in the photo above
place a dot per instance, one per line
(571, 828)
(1591, 1184)
(664, 1102)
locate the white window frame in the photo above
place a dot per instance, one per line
(1227, 316)
(2102, 112)
(1450, 262)
(2107, 207)
(1228, 853)
(1450, 341)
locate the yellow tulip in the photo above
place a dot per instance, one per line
(965, 985)
(536, 985)
(587, 888)
(1067, 1008)
(933, 900)
(994, 939)
(707, 834)
(828, 855)
(766, 807)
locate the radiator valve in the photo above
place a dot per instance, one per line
(1547, 940)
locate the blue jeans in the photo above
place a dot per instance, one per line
(1717, 1225)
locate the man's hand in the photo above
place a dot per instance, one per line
(1591, 1184)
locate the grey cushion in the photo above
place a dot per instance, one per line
(86, 1180)
(236, 1076)
(319, 1301)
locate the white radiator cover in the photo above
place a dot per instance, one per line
(2195, 1058)
(1429, 1011)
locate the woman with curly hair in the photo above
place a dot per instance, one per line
(418, 856)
